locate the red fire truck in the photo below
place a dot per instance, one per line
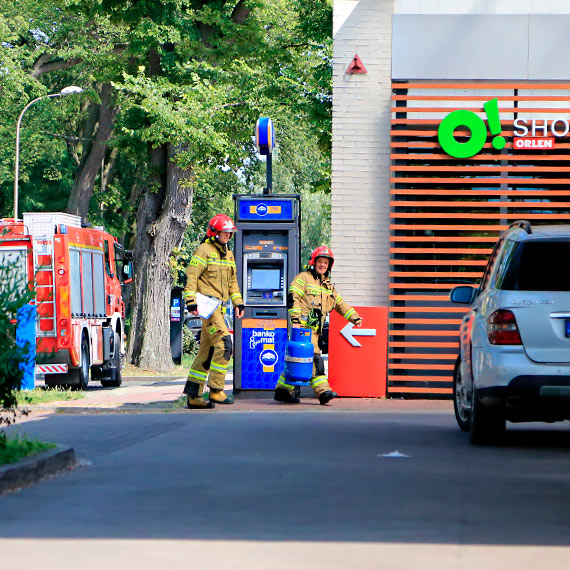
(77, 274)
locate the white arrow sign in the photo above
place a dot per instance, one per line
(349, 332)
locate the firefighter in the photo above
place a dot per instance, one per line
(212, 272)
(311, 298)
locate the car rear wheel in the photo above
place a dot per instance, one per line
(487, 424)
(461, 401)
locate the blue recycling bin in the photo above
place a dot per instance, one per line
(26, 335)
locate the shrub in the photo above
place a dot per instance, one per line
(189, 343)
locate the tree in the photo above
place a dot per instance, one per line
(47, 46)
(163, 132)
(183, 104)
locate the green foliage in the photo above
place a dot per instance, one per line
(44, 395)
(189, 343)
(315, 223)
(46, 46)
(189, 74)
(212, 78)
(12, 449)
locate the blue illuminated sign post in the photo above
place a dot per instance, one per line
(265, 141)
(267, 248)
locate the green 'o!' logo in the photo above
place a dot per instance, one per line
(462, 119)
(476, 125)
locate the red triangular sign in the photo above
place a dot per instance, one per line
(356, 66)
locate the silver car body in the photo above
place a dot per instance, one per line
(517, 374)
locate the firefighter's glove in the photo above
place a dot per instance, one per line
(192, 307)
(240, 308)
(314, 318)
(357, 321)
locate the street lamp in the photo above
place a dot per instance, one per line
(65, 91)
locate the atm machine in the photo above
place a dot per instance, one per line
(267, 252)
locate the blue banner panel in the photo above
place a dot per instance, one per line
(26, 338)
(263, 352)
(175, 313)
(265, 210)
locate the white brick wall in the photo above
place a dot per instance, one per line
(361, 151)
(481, 7)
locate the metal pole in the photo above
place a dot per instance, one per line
(17, 160)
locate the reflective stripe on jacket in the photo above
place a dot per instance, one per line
(212, 272)
(307, 293)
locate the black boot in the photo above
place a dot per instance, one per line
(283, 395)
(196, 402)
(327, 396)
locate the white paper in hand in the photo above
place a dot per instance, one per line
(206, 305)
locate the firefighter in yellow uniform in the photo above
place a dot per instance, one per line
(311, 298)
(212, 272)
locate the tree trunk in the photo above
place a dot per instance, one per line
(83, 188)
(162, 217)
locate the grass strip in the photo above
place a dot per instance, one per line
(43, 395)
(12, 449)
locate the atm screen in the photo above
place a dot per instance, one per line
(266, 279)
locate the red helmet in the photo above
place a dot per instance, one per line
(322, 251)
(220, 223)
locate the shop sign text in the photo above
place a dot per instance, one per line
(535, 133)
(541, 143)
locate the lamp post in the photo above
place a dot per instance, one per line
(65, 91)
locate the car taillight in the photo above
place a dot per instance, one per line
(502, 328)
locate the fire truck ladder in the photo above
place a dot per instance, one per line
(42, 226)
(44, 271)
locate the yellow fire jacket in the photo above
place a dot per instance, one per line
(310, 296)
(212, 272)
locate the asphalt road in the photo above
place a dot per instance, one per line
(292, 490)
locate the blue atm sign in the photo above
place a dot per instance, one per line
(264, 136)
(263, 351)
(266, 210)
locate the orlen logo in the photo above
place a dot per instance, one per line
(261, 209)
(268, 357)
(477, 127)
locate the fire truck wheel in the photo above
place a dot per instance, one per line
(85, 364)
(115, 373)
(76, 378)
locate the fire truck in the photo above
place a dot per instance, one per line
(77, 274)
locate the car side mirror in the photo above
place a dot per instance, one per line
(463, 294)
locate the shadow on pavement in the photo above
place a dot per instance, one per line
(305, 476)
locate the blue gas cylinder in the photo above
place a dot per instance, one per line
(299, 357)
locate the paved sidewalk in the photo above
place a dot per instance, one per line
(161, 394)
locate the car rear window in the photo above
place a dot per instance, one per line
(537, 266)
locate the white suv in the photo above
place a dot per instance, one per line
(514, 362)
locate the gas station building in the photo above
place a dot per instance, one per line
(411, 216)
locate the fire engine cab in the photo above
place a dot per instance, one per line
(77, 274)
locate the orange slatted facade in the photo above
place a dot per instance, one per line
(447, 213)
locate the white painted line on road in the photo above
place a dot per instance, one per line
(392, 454)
